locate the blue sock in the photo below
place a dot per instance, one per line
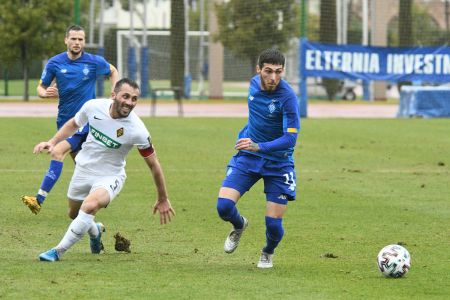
(274, 234)
(51, 177)
(228, 212)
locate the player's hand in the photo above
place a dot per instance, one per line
(166, 212)
(52, 92)
(246, 144)
(43, 146)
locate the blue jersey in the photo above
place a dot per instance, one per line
(75, 80)
(271, 115)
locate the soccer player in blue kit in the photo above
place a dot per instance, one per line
(75, 73)
(265, 150)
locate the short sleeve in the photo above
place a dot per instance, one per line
(142, 139)
(145, 143)
(47, 74)
(81, 117)
(103, 67)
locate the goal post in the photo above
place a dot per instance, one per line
(151, 63)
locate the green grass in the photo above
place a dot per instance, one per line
(362, 184)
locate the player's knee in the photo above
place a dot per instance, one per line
(90, 207)
(225, 207)
(60, 151)
(274, 228)
(58, 154)
(72, 213)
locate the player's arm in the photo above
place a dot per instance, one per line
(47, 84)
(113, 76)
(47, 91)
(63, 133)
(286, 141)
(162, 203)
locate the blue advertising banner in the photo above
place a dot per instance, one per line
(430, 64)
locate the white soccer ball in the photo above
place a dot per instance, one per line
(394, 261)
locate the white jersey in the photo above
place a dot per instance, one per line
(109, 140)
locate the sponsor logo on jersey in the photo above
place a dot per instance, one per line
(104, 139)
(120, 132)
(292, 130)
(64, 71)
(97, 118)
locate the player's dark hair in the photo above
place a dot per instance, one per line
(74, 28)
(123, 81)
(271, 56)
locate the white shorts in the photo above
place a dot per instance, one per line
(82, 184)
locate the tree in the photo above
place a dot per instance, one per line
(177, 39)
(328, 34)
(32, 30)
(424, 30)
(246, 27)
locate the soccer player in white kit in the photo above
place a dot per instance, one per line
(100, 165)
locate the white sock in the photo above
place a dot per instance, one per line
(77, 229)
(93, 230)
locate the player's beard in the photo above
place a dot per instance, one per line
(117, 107)
(75, 52)
(266, 87)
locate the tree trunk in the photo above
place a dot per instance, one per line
(253, 63)
(328, 34)
(26, 95)
(405, 31)
(177, 38)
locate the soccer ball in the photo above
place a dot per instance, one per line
(394, 261)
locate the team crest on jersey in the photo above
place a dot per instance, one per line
(85, 72)
(272, 107)
(251, 98)
(120, 132)
(64, 71)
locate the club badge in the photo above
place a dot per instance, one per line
(119, 132)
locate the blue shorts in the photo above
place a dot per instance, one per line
(78, 138)
(244, 170)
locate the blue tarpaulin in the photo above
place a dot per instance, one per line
(424, 102)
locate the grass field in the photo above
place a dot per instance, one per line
(362, 184)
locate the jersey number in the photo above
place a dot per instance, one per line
(115, 186)
(290, 180)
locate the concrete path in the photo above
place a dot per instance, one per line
(196, 109)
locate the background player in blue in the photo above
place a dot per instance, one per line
(265, 150)
(71, 76)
